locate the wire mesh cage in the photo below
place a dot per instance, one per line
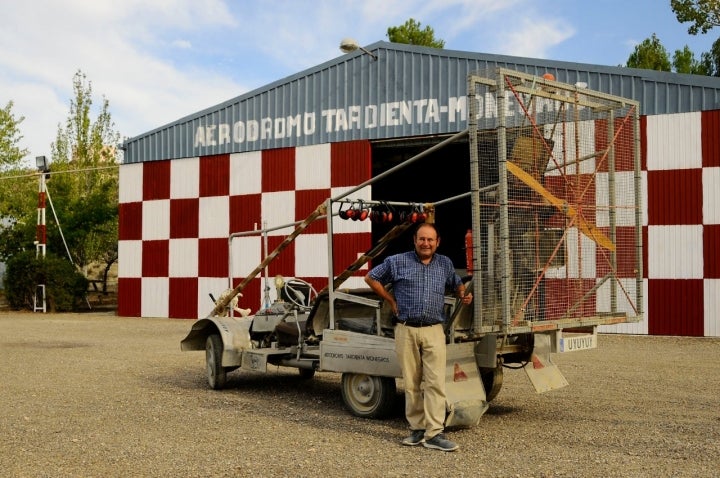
(556, 188)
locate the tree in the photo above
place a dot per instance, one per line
(86, 202)
(65, 287)
(10, 152)
(710, 60)
(684, 62)
(703, 14)
(19, 195)
(649, 55)
(411, 34)
(83, 188)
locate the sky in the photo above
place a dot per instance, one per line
(157, 61)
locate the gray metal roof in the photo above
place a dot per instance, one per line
(407, 91)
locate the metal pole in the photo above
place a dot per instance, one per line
(503, 200)
(331, 266)
(41, 242)
(41, 236)
(612, 209)
(266, 297)
(477, 286)
(637, 182)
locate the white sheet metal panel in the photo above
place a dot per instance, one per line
(312, 167)
(675, 252)
(154, 292)
(712, 307)
(711, 195)
(639, 328)
(184, 182)
(156, 219)
(183, 257)
(674, 141)
(130, 259)
(130, 183)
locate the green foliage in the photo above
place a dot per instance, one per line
(650, 55)
(684, 62)
(18, 211)
(15, 237)
(411, 34)
(86, 142)
(703, 14)
(83, 188)
(64, 286)
(86, 201)
(711, 59)
(10, 152)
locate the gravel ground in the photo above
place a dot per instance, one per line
(95, 395)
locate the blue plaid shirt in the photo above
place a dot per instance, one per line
(419, 289)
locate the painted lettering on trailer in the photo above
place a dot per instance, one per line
(352, 356)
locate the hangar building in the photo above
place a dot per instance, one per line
(270, 156)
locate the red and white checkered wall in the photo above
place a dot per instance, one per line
(175, 217)
(585, 185)
(681, 226)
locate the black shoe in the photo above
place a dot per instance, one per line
(415, 438)
(439, 442)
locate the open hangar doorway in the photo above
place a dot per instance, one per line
(440, 175)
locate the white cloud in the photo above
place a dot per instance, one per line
(534, 37)
(157, 61)
(182, 44)
(120, 46)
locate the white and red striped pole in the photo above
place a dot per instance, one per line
(41, 234)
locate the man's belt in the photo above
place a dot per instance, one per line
(411, 323)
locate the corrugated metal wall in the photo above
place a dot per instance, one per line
(408, 91)
(176, 216)
(683, 224)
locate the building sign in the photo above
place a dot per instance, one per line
(430, 113)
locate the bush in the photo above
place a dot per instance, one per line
(65, 287)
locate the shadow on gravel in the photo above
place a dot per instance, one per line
(282, 395)
(287, 396)
(46, 345)
(500, 410)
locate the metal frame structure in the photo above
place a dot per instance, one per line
(502, 83)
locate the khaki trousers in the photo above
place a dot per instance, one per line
(421, 353)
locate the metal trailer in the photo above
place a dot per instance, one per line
(554, 252)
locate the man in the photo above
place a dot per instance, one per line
(419, 280)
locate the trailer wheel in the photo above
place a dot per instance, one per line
(492, 379)
(216, 373)
(368, 396)
(306, 373)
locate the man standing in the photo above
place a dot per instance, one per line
(419, 280)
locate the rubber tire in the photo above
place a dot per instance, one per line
(306, 373)
(216, 373)
(492, 379)
(368, 396)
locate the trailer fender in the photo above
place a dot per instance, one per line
(234, 332)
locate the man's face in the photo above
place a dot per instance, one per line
(426, 242)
